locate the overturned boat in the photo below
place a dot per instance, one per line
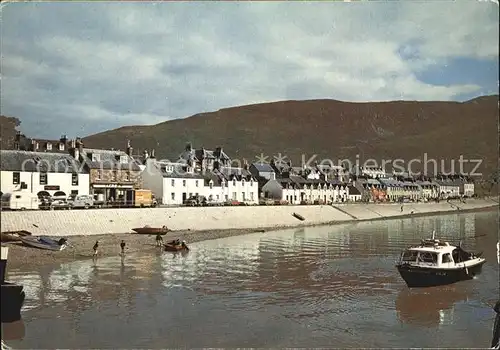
(13, 236)
(435, 263)
(44, 242)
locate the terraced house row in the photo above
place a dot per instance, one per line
(65, 167)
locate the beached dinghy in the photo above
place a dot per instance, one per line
(148, 230)
(436, 263)
(13, 236)
(44, 242)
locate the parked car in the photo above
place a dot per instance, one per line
(196, 201)
(81, 201)
(59, 203)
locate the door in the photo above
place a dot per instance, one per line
(184, 197)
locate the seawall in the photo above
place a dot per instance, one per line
(110, 221)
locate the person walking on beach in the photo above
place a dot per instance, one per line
(401, 208)
(96, 245)
(122, 246)
(159, 240)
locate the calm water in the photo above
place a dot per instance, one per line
(329, 286)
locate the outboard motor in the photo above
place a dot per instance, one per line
(62, 241)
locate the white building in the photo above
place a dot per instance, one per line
(467, 189)
(354, 194)
(171, 183)
(42, 173)
(448, 189)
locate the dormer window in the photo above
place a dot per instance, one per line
(234, 182)
(96, 157)
(37, 145)
(49, 146)
(211, 184)
(123, 159)
(61, 147)
(223, 184)
(243, 181)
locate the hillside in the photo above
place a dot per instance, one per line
(331, 129)
(8, 131)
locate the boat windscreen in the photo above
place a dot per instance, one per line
(409, 255)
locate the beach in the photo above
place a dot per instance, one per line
(80, 246)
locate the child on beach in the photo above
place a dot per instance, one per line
(122, 246)
(96, 245)
(159, 240)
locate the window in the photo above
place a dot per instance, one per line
(16, 178)
(234, 195)
(196, 183)
(410, 255)
(243, 196)
(447, 258)
(96, 157)
(428, 257)
(99, 174)
(173, 196)
(123, 159)
(126, 175)
(226, 197)
(184, 183)
(251, 182)
(43, 178)
(211, 185)
(74, 192)
(115, 175)
(251, 196)
(172, 183)
(74, 180)
(243, 181)
(234, 182)
(61, 147)
(49, 146)
(223, 184)
(217, 196)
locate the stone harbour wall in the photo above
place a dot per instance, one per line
(101, 221)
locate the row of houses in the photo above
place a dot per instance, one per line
(65, 167)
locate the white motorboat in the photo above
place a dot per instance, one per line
(435, 263)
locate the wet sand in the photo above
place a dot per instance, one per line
(109, 244)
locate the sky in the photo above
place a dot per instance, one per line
(86, 67)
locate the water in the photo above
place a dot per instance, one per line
(324, 286)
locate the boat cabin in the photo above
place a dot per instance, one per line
(434, 253)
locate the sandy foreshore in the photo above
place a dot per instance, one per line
(109, 244)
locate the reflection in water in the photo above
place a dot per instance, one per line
(430, 306)
(300, 287)
(13, 330)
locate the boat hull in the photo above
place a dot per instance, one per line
(175, 248)
(150, 230)
(418, 277)
(36, 243)
(12, 300)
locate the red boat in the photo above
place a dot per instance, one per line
(175, 246)
(147, 230)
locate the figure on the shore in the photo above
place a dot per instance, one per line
(401, 208)
(122, 246)
(96, 245)
(159, 240)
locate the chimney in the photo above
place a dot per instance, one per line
(218, 152)
(216, 165)
(129, 149)
(17, 141)
(245, 164)
(78, 149)
(153, 153)
(146, 154)
(189, 147)
(63, 139)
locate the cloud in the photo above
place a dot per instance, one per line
(81, 68)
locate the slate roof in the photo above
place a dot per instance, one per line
(109, 160)
(178, 171)
(263, 167)
(13, 160)
(455, 183)
(353, 190)
(230, 173)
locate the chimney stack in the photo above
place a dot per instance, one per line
(189, 147)
(129, 149)
(153, 153)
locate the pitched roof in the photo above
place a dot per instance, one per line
(178, 170)
(353, 190)
(109, 160)
(13, 160)
(263, 167)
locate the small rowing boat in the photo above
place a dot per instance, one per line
(44, 242)
(147, 230)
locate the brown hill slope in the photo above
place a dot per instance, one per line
(331, 129)
(8, 131)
